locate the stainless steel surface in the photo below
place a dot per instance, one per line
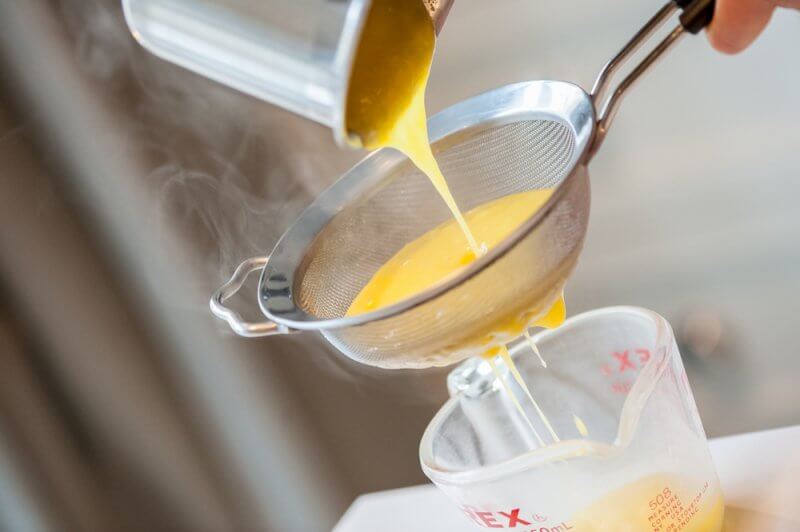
(612, 67)
(233, 318)
(611, 107)
(525, 136)
(520, 137)
(607, 109)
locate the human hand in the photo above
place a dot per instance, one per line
(737, 23)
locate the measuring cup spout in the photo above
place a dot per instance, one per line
(696, 15)
(632, 455)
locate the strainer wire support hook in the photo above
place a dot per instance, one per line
(229, 289)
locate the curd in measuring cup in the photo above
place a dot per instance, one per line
(656, 503)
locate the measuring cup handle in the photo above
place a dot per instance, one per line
(226, 291)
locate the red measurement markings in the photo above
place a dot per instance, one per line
(627, 362)
(512, 519)
(624, 361)
(668, 513)
(621, 387)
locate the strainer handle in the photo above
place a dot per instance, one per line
(696, 15)
(226, 291)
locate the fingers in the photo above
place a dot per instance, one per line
(737, 23)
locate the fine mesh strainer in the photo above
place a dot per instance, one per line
(530, 135)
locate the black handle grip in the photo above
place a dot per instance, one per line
(697, 14)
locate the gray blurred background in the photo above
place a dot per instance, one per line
(130, 188)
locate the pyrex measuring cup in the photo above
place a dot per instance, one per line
(632, 454)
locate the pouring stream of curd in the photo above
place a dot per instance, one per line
(386, 96)
(386, 108)
(440, 254)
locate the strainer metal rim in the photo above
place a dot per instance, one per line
(558, 101)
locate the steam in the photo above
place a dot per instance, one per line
(101, 48)
(10, 134)
(228, 171)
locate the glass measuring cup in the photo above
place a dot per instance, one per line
(632, 454)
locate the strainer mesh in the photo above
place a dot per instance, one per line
(480, 165)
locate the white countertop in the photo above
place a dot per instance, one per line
(759, 472)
